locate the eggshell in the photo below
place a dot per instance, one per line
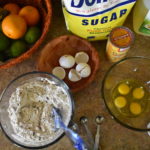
(67, 61)
(81, 57)
(83, 69)
(59, 72)
(74, 76)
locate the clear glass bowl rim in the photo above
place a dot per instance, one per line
(103, 95)
(66, 88)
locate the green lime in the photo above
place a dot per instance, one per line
(0, 26)
(32, 35)
(4, 42)
(2, 58)
(8, 53)
(17, 48)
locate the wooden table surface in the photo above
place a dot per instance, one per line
(88, 102)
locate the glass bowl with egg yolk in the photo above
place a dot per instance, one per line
(126, 92)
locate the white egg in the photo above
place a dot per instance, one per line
(83, 69)
(81, 57)
(73, 75)
(59, 72)
(67, 61)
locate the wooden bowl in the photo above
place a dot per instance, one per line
(44, 7)
(68, 44)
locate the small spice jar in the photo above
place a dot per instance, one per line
(119, 42)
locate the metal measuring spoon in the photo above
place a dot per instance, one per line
(75, 127)
(98, 120)
(84, 121)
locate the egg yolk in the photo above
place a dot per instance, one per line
(138, 93)
(123, 89)
(120, 102)
(135, 108)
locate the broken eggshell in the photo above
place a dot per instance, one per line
(83, 69)
(67, 61)
(81, 57)
(74, 76)
(69, 45)
(59, 72)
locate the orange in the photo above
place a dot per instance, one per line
(30, 14)
(12, 8)
(14, 26)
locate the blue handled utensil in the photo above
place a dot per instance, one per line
(74, 137)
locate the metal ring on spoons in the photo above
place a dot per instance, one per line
(90, 139)
(98, 120)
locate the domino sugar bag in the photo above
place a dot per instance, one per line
(94, 19)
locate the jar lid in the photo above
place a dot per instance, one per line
(121, 37)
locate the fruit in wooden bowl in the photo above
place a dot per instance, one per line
(65, 47)
(22, 29)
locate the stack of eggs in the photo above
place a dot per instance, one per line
(78, 67)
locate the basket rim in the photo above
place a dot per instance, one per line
(34, 48)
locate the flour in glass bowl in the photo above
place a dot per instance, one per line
(30, 110)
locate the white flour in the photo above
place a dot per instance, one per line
(30, 110)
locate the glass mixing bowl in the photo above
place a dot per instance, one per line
(133, 68)
(4, 104)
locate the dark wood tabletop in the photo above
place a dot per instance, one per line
(88, 102)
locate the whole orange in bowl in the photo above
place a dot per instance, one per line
(30, 14)
(14, 26)
(45, 21)
(12, 8)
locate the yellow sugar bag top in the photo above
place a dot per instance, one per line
(94, 19)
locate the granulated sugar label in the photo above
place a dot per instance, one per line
(94, 19)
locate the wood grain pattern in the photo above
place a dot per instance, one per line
(89, 101)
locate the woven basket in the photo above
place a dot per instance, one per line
(44, 7)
